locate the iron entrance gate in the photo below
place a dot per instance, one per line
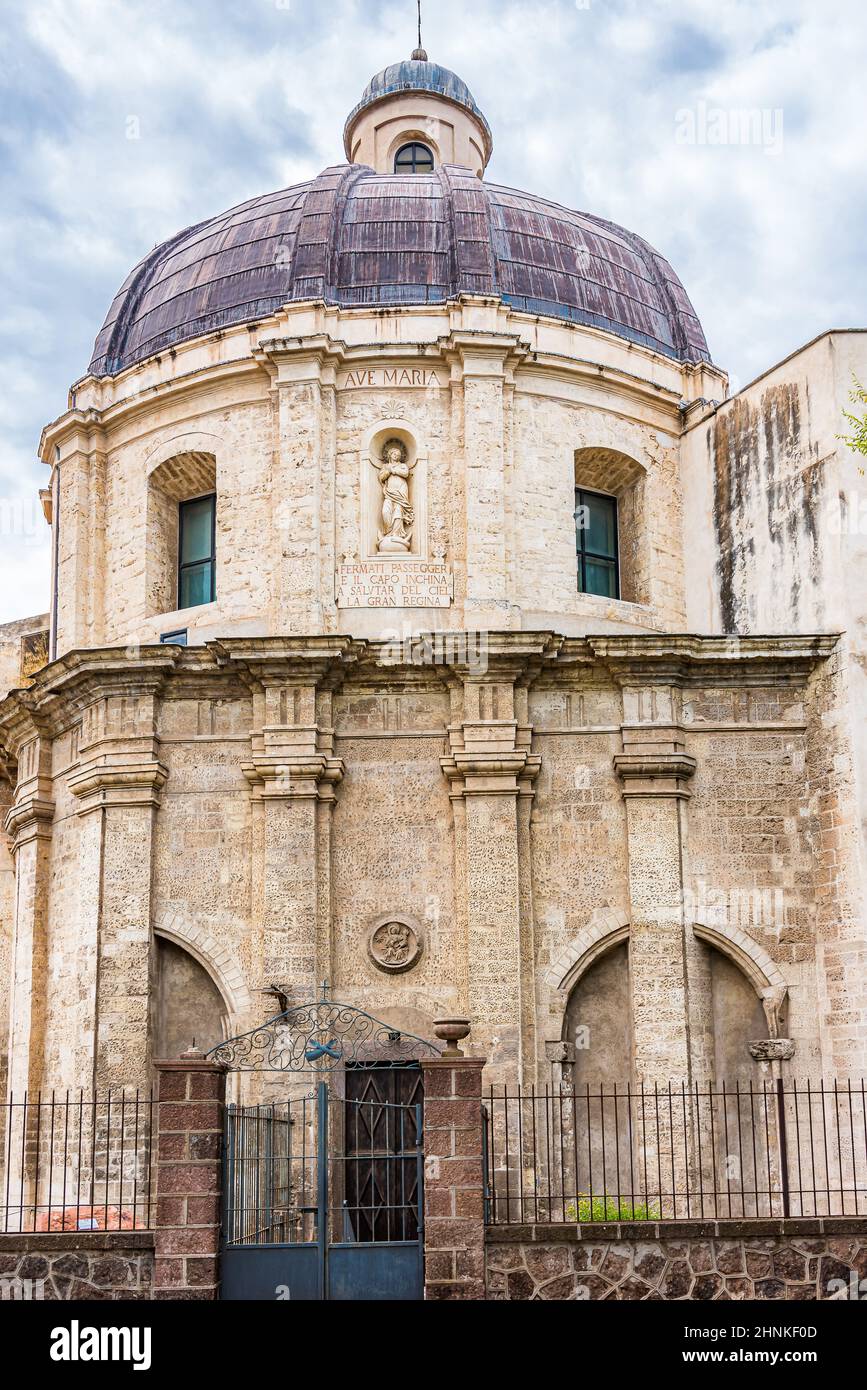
(323, 1191)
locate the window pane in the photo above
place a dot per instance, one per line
(196, 585)
(414, 159)
(600, 578)
(600, 534)
(197, 520)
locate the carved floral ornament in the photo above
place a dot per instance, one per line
(395, 944)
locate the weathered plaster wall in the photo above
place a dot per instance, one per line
(23, 650)
(779, 503)
(190, 1011)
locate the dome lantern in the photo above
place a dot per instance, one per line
(415, 116)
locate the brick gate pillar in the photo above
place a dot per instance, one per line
(188, 1140)
(454, 1234)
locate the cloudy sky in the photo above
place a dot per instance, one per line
(122, 121)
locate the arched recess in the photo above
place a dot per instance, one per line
(216, 960)
(606, 928)
(622, 477)
(737, 995)
(177, 470)
(747, 955)
(188, 1009)
(592, 976)
(414, 135)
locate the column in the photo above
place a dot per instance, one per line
(80, 521)
(483, 373)
(293, 777)
(304, 485)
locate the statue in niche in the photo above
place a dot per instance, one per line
(398, 515)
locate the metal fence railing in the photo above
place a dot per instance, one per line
(626, 1153)
(71, 1161)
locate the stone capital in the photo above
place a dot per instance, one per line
(491, 771)
(31, 818)
(121, 784)
(772, 1049)
(655, 774)
(295, 776)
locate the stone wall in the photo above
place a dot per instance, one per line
(678, 1261)
(265, 804)
(81, 1266)
(497, 404)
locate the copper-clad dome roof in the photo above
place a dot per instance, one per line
(356, 238)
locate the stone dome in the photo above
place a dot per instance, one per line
(356, 238)
(413, 75)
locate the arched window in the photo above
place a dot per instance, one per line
(414, 158)
(181, 561)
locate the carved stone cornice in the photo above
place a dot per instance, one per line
(477, 771)
(662, 773)
(263, 661)
(659, 659)
(304, 777)
(98, 785)
(31, 818)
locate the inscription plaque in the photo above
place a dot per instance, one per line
(395, 584)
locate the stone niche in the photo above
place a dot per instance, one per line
(394, 568)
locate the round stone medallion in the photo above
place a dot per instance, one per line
(394, 944)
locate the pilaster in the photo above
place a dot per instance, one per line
(491, 770)
(28, 826)
(655, 771)
(293, 776)
(117, 786)
(483, 367)
(303, 481)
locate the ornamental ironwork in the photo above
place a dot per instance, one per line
(320, 1037)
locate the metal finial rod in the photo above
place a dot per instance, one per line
(419, 55)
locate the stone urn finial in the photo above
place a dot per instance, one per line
(451, 1031)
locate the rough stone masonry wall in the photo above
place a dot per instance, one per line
(678, 1261)
(77, 1265)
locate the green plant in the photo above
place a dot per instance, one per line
(858, 439)
(610, 1209)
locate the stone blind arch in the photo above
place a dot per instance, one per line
(606, 928)
(750, 958)
(213, 956)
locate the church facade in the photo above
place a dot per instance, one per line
(427, 619)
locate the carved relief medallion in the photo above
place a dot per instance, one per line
(394, 944)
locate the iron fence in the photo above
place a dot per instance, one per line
(70, 1161)
(624, 1153)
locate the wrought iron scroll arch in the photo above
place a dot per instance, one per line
(321, 1037)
